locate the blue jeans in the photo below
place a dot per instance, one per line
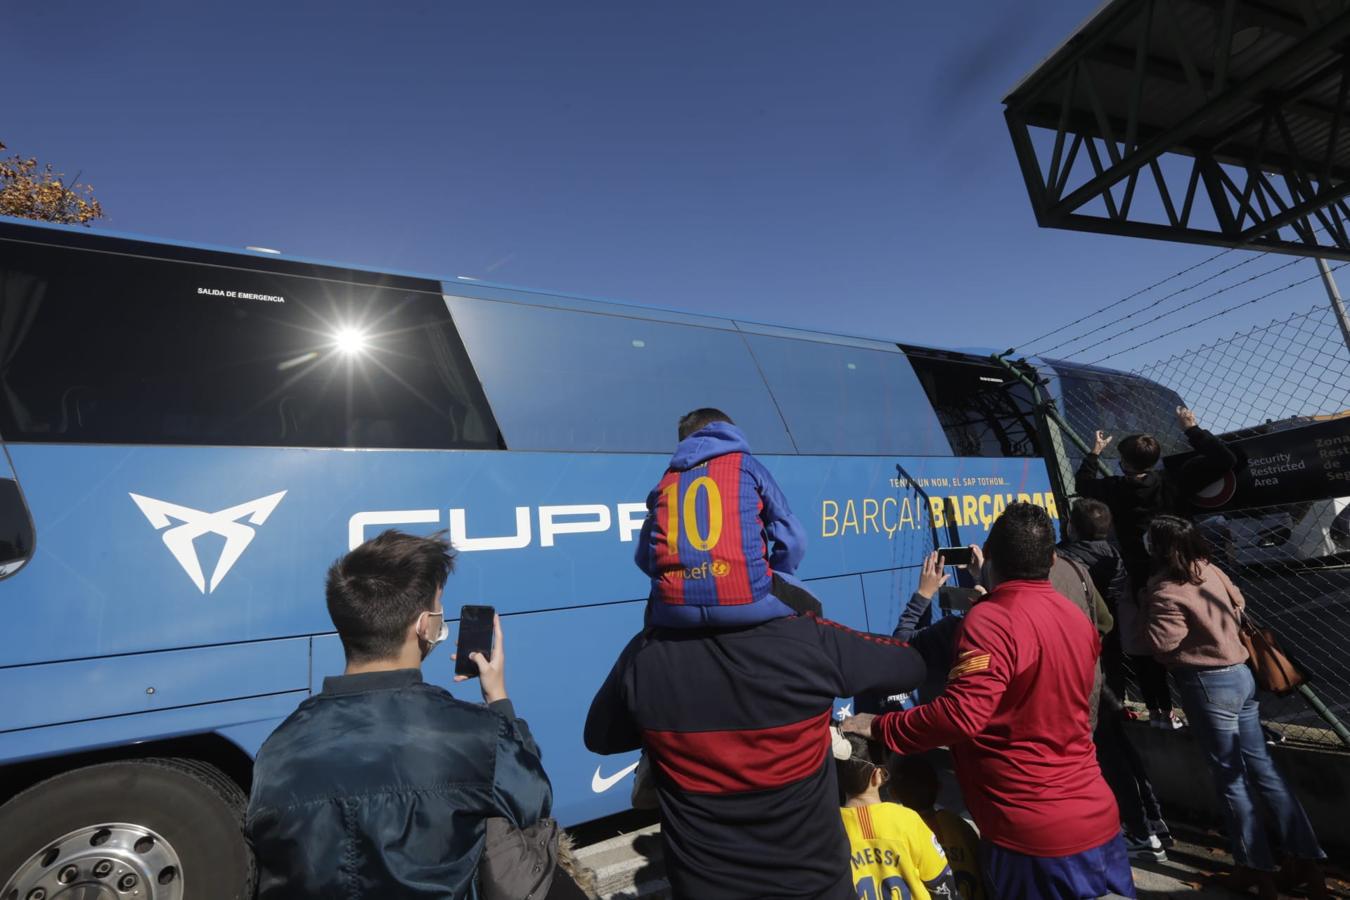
(1221, 707)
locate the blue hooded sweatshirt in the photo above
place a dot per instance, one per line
(718, 530)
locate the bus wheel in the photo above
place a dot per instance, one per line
(149, 829)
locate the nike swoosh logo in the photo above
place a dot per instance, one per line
(600, 784)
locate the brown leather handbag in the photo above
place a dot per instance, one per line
(1272, 668)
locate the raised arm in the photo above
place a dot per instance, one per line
(521, 792)
(507, 710)
(1087, 481)
(931, 579)
(910, 616)
(1216, 457)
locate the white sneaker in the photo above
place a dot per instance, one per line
(1160, 830)
(1145, 848)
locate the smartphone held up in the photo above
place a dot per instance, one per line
(475, 636)
(956, 556)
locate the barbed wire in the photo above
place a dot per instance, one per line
(1042, 352)
(1126, 299)
(1143, 309)
(1222, 312)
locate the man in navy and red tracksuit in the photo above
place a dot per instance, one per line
(729, 692)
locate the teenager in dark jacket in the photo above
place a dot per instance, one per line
(1135, 498)
(1141, 492)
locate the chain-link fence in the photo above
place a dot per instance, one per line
(1279, 395)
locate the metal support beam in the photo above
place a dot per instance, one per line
(1231, 102)
(1162, 232)
(1295, 213)
(1337, 305)
(1026, 159)
(1266, 146)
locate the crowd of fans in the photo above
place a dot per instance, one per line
(383, 786)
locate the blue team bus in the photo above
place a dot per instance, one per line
(191, 435)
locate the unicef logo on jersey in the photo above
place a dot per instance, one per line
(718, 568)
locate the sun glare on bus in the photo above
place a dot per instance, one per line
(350, 341)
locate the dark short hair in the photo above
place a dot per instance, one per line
(1091, 519)
(377, 590)
(1021, 543)
(914, 782)
(1177, 549)
(855, 772)
(1140, 452)
(699, 418)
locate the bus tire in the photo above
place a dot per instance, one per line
(171, 828)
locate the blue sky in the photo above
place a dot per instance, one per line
(834, 166)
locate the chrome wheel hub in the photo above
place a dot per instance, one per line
(115, 861)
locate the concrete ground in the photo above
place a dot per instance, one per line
(629, 867)
(1197, 855)
(625, 856)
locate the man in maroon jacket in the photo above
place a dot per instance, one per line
(1015, 715)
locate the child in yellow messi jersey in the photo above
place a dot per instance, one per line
(894, 853)
(914, 783)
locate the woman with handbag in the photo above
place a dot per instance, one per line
(1192, 621)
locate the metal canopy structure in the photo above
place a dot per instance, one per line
(1216, 122)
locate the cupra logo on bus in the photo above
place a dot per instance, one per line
(578, 518)
(195, 523)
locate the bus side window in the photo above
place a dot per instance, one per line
(111, 348)
(563, 379)
(845, 399)
(16, 529)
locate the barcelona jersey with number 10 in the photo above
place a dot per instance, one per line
(708, 544)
